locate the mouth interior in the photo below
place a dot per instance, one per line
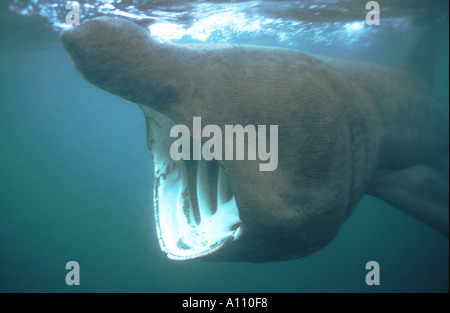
(195, 209)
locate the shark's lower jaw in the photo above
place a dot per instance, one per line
(195, 210)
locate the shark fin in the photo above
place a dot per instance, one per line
(422, 59)
(421, 191)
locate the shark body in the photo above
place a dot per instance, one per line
(345, 129)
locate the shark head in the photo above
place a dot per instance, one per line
(228, 209)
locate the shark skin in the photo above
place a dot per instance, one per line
(346, 129)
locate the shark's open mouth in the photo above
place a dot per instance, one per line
(195, 209)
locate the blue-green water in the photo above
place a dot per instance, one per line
(76, 183)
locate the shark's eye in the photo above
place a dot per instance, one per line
(195, 209)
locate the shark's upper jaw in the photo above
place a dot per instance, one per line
(195, 210)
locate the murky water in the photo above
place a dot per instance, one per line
(76, 177)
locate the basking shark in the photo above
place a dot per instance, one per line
(345, 129)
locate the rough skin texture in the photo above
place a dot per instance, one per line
(345, 128)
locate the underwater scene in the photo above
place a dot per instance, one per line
(117, 119)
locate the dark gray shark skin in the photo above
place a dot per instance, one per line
(346, 129)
